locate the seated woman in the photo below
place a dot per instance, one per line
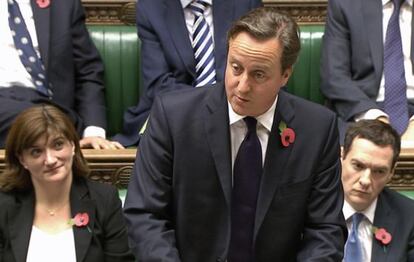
(49, 210)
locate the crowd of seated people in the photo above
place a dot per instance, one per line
(237, 154)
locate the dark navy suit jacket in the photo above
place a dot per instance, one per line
(167, 55)
(179, 197)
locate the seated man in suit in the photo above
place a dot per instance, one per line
(171, 32)
(233, 172)
(49, 57)
(380, 220)
(366, 69)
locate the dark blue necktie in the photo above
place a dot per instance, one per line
(353, 249)
(395, 100)
(25, 49)
(202, 45)
(247, 173)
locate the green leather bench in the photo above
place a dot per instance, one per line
(119, 47)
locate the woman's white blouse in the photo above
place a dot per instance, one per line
(51, 247)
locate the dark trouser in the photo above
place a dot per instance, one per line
(14, 100)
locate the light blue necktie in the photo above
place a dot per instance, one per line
(395, 99)
(203, 45)
(353, 249)
(25, 49)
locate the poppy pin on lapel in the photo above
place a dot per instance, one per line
(43, 3)
(287, 135)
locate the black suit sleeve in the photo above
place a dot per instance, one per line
(324, 234)
(148, 205)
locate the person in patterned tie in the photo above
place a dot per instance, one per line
(168, 31)
(367, 63)
(51, 59)
(386, 227)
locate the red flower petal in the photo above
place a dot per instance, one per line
(383, 236)
(287, 137)
(81, 219)
(43, 3)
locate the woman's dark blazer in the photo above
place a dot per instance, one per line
(104, 238)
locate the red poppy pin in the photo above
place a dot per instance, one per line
(287, 135)
(382, 236)
(43, 3)
(80, 220)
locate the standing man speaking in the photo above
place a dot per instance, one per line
(243, 171)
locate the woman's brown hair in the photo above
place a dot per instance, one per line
(27, 128)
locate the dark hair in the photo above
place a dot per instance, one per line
(27, 128)
(264, 23)
(379, 133)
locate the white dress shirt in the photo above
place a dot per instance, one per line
(238, 130)
(365, 233)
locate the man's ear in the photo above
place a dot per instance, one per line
(286, 74)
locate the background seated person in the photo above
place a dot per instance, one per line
(44, 185)
(367, 62)
(172, 32)
(369, 157)
(51, 58)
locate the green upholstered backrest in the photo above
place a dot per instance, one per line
(119, 47)
(305, 80)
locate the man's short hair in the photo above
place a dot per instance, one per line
(378, 132)
(264, 23)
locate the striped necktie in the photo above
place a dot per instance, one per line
(203, 45)
(25, 49)
(395, 99)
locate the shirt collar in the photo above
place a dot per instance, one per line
(185, 3)
(369, 212)
(265, 119)
(409, 2)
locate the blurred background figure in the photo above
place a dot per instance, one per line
(49, 210)
(51, 58)
(183, 46)
(367, 62)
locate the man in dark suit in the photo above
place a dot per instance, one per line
(189, 183)
(353, 64)
(73, 70)
(369, 158)
(165, 28)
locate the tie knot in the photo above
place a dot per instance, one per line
(397, 3)
(356, 219)
(251, 123)
(198, 7)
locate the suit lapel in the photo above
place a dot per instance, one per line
(384, 218)
(218, 136)
(21, 221)
(223, 13)
(275, 160)
(80, 203)
(372, 19)
(41, 18)
(175, 23)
